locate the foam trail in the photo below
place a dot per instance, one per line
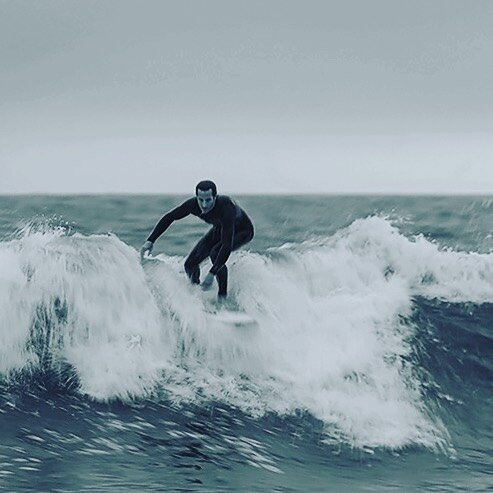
(322, 354)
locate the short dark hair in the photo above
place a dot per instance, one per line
(206, 185)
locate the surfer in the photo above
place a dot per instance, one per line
(231, 229)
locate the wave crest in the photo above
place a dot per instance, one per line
(333, 336)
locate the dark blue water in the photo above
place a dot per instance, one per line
(370, 369)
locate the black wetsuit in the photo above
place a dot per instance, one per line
(231, 228)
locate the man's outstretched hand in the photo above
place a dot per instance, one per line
(146, 247)
(206, 284)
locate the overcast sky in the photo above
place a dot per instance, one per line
(283, 96)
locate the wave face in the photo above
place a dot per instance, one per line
(349, 329)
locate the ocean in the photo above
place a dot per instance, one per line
(370, 369)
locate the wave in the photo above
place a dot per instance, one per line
(336, 335)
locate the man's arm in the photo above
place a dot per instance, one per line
(164, 223)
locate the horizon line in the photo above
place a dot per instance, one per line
(280, 194)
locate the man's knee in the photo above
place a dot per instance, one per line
(242, 239)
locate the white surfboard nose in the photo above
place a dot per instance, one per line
(233, 318)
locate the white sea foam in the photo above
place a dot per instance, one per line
(95, 297)
(332, 339)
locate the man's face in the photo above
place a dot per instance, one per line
(205, 200)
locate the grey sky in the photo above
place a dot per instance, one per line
(262, 96)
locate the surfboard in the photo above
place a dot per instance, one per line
(232, 318)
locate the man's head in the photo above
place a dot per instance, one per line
(206, 193)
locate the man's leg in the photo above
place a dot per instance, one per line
(200, 252)
(222, 281)
(240, 239)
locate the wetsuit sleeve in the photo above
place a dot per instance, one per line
(227, 236)
(164, 223)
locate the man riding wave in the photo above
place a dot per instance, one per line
(231, 229)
